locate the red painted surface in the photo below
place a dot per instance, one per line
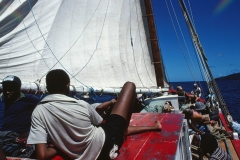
(58, 158)
(153, 145)
(236, 144)
(16, 158)
(224, 122)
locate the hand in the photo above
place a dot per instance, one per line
(212, 122)
(113, 101)
(22, 138)
(200, 133)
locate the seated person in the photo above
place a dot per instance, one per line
(168, 107)
(197, 90)
(210, 149)
(104, 110)
(184, 98)
(74, 127)
(189, 98)
(171, 90)
(156, 106)
(196, 122)
(16, 109)
(201, 108)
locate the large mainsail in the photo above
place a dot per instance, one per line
(100, 43)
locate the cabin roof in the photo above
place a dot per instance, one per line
(153, 145)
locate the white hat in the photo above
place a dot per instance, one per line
(179, 87)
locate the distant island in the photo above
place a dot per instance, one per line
(234, 76)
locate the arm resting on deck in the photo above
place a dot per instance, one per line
(44, 153)
(104, 107)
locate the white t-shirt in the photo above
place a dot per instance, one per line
(197, 92)
(70, 124)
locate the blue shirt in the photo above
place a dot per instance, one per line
(17, 117)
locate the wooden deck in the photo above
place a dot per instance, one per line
(234, 145)
(227, 144)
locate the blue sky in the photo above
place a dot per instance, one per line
(217, 23)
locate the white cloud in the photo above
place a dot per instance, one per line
(219, 55)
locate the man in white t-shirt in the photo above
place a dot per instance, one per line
(73, 126)
(197, 90)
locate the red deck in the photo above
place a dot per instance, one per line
(224, 122)
(153, 145)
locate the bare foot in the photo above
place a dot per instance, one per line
(158, 124)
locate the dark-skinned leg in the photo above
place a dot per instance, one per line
(126, 99)
(2, 155)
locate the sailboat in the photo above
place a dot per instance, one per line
(101, 44)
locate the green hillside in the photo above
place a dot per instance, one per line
(235, 76)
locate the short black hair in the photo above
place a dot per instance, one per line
(57, 80)
(208, 143)
(188, 113)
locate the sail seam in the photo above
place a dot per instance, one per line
(78, 37)
(132, 44)
(97, 42)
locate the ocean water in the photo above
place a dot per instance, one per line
(230, 90)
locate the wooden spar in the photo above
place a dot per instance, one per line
(29, 87)
(157, 59)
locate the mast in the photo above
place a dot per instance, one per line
(157, 59)
(199, 50)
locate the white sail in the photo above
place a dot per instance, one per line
(100, 43)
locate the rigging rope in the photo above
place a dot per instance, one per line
(32, 41)
(179, 40)
(184, 41)
(192, 19)
(200, 66)
(49, 46)
(96, 45)
(191, 14)
(78, 36)
(187, 48)
(212, 83)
